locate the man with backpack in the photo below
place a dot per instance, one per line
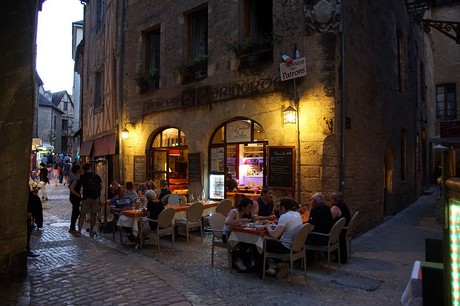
(91, 184)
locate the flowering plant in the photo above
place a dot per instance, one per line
(251, 44)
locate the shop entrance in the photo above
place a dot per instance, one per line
(238, 147)
(167, 159)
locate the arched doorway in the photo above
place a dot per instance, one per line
(167, 158)
(237, 147)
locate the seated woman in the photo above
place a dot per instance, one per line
(235, 217)
(122, 202)
(289, 223)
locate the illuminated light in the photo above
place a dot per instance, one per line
(290, 115)
(125, 134)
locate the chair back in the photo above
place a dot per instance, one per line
(298, 243)
(351, 225)
(217, 222)
(173, 199)
(194, 212)
(335, 231)
(224, 207)
(164, 199)
(166, 217)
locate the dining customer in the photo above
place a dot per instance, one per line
(288, 225)
(321, 219)
(154, 208)
(164, 189)
(263, 206)
(130, 193)
(340, 210)
(122, 202)
(241, 255)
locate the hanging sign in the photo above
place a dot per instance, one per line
(297, 68)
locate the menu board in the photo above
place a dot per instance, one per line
(139, 169)
(281, 167)
(194, 169)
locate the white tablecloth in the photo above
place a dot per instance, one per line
(236, 237)
(129, 222)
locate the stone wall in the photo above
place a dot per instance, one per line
(18, 94)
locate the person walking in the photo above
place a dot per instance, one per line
(91, 184)
(43, 174)
(56, 173)
(75, 198)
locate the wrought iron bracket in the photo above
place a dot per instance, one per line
(449, 28)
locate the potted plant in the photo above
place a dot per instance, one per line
(251, 45)
(145, 80)
(194, 69)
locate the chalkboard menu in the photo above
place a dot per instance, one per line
(281, 167)
(194, 168)
(139, 169)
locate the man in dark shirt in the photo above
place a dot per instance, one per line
(263, 206)
(230, 182)
(321, 219)
(91, 184)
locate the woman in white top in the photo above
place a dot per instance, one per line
(238, 216)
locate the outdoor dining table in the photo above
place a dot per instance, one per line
(248, 235)
(134, 220)
(209, 208)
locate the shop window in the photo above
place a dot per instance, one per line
(168, 159)
(446, 102)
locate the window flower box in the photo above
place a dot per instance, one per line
(148, 81)
(255, 44)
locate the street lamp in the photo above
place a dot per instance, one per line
(417, 9)
(125, 133)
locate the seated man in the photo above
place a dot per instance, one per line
(122, 202)
(263, 207)
(321, 219)
(289, 224)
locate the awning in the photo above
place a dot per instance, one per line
(105, 145)
(86, 147)
(446, 141)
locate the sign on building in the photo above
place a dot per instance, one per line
(297, 68)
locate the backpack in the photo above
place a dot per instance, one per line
(93, 187)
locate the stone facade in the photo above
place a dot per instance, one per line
(18, 95)
(359, 131)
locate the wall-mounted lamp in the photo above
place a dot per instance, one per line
(290, 115)
(125, 132)
(417, 9)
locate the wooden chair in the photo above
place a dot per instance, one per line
(350, 231)
(193, 219)
(297, 251)
(165, 225)
(217, 222)
(332, 244)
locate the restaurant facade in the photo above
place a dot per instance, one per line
(303, 96)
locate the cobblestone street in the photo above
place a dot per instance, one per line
(99, 271)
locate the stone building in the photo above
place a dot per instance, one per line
(203, 88)
(18, 83)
